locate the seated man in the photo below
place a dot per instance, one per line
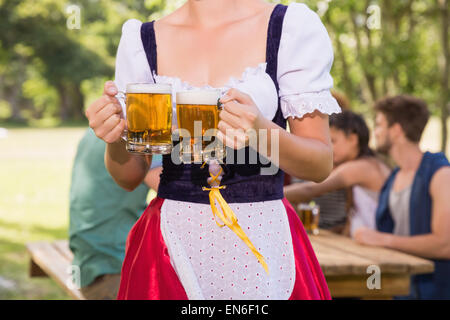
(413, 213)
(101, 215)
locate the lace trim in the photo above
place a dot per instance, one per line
(179, 84)
(299, 105)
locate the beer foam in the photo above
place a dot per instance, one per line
(149, 88)
(203, 97)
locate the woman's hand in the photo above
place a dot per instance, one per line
(239, 116)
(105, 115)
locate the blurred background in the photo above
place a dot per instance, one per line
(56, 55)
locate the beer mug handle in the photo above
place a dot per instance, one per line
(121, 96)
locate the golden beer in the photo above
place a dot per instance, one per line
(309, 214)
(149, 118)
(198, 117)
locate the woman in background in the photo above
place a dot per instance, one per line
(333, 205)
(357, 168)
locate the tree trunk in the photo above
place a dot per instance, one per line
(13, 95)
(78, 102)
(445, 96)
(370, 80)
(63, 102)
(71, 101)
(346, 79)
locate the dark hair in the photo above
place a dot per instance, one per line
(351, 122)
(342, 100)
(411, 113)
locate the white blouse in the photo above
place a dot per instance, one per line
(212, 262)
(305, 58)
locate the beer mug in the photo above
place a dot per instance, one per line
(309, 214)
(197, 118)
(149, 118)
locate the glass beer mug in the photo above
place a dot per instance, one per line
(197, 118)
(149, 118)
(309, 214)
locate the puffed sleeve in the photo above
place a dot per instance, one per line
(305, 58)
(131, 61)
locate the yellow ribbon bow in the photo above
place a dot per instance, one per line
(228, 217)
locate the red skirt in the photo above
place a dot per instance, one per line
(148, 274)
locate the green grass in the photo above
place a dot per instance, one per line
(35, 169)
(35, 172)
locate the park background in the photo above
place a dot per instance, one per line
(56, 55)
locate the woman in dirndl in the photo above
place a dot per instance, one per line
(225, 230)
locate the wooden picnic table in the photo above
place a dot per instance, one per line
(345, 264)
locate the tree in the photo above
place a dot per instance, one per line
(443, 6)
(397, 55)
(38, 40)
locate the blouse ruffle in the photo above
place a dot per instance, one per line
(232, 82)
(298, 105)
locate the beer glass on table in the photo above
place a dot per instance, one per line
(309, 214)
(149, 118)
(198, 117)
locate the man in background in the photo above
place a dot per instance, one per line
(413, 213)
(101, 215)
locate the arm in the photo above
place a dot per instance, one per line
(127, 170)
(435, 245)
(305, 153)
(343, 176)
(152, 178)
(104, 118)
(304, 62)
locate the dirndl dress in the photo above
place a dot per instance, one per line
(176, 250)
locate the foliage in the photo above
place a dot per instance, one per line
(382, 47)
(385, 47)
(44, 63)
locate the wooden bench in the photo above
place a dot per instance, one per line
(53, 260)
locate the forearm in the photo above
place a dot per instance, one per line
(299, 192)
(126, 169)
(429, 246)
(304, 158)
(152, 178)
